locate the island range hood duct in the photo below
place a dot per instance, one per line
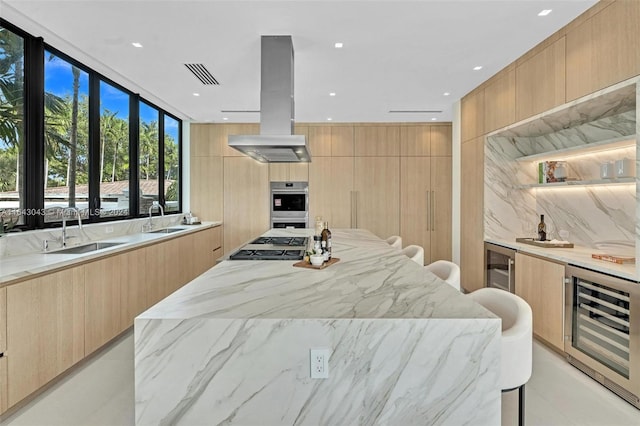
(276, 142)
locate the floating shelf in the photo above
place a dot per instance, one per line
(595, 182)
(562, 153)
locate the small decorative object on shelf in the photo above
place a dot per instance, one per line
(552, 171)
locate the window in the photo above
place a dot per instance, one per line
(66, 138)
(12, 159)
(171, 164)
(148, 144)
(77, 140)
(114, 151)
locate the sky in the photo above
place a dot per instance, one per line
(59, 80)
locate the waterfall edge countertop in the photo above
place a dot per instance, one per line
(233, 345)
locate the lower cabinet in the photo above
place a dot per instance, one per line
(54, 321)
(540, 283)
(45, 329)
(3, 349)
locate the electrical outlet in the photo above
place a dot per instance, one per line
(319, 363)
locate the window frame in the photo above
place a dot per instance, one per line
(34, 148)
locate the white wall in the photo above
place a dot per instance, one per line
(455, 183)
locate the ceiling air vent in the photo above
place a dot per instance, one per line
(202, 73)
(414, 111)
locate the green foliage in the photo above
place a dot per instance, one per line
(172, 192)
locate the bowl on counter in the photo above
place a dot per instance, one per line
(316, 259)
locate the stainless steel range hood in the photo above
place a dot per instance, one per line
(276, 142)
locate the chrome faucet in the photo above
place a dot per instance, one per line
(149, 225)
(64, 223)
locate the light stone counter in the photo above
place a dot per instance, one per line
(232, 346)
(26, 259)
(577, 256)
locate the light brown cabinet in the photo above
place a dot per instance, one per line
(500, 100)
(472, 115)
(134, 285)
(472, 215)
(331, 191)
(422, 140)
(377, 196)
(603, 50)
(45, 329)
(288, 172)
(103, 318)
(327, 141)
(540, 81)
(425, 205)
(205, 250)
(377, 141)
(3, 348)
(540, 283)
(246, 200)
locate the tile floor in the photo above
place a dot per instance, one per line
(101, 393)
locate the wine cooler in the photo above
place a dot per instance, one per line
(602, 336)
(499, 267)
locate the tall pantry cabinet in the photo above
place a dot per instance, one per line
(425, 190)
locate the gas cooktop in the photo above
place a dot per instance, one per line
(249, 254)
(282, 241)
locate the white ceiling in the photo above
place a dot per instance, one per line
(397, 55)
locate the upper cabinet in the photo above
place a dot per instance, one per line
(377, 141)
(603, 50)
(500, 100)
(540, 81)
(425, 140)
(328, 141)
(472, 115)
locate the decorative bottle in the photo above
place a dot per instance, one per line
(542, 229)
(326, 242)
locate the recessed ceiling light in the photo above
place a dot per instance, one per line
(225, 118)
(476, 68)
(196, 94)
(446, 93)
(136, 44)
(332, 94)
(329, 119)
(338, 45)
(544, 12)
(433, 119)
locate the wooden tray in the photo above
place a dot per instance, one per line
(546, 244)
(305, 264)
(620, 260)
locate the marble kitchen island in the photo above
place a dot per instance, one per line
(232, 346)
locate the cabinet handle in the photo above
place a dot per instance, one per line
(356, 193)
(428, 210)
(433, 210)
(509, 264)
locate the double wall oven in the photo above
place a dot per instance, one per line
(289, 204)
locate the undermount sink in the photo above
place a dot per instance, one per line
(166, 230)
(85, 248)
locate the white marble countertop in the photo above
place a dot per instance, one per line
(371, 280)
(577, 256)
(19, 267)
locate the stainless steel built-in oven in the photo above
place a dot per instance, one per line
(602, 330)
(499, 267)
(289, 204)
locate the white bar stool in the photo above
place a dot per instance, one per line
(395, 241)
(516, 342)
(446, 271)
(416, 253)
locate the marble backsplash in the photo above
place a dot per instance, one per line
(591, 213)
(18, 243)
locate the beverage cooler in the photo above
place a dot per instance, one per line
(602, 330)
(499, 267)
